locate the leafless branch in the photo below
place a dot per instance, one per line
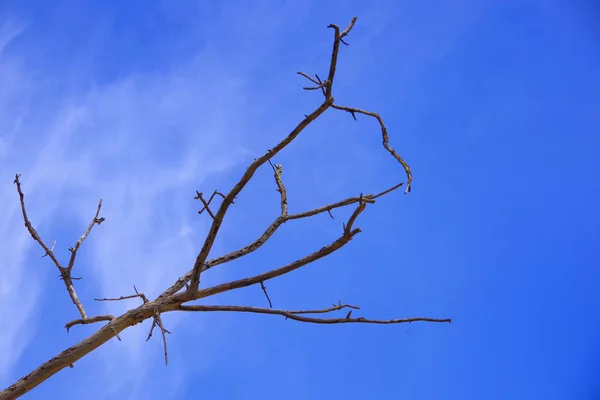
(90, 320)
(385, 138)
(294, 315)
(278, 170)
(74, 249)
(132, 296)
(32, 231)
(65, 273)
(264, 289)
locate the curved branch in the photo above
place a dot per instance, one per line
(385, 138)
(294, 315)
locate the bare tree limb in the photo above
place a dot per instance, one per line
(385, 139)
(264, 289)
(278, 170)
(294, 315)
(74, 249)
(89, 320)
(65, 273)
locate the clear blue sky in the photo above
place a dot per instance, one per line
(495, 104)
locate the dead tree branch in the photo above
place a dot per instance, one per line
(174, 299)
(65, 273)
(385, 138)
(295, 315)
(264, 289)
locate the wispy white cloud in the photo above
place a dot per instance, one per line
(41, 157)
(143, 144)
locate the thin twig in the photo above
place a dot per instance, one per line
(296, 317)
(65, 273)
(277, 171)
(264, 289)
(74, 249)
(385, 139)
(90, 320)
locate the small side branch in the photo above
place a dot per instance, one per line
(207, 203)
(277, 171)
(90, 320)
(48, 252)
(264, 289)
(95, 220)
(295, 315)
(385, 138)
(157, 320)
(65, 273)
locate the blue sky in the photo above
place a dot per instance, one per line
(494, 104)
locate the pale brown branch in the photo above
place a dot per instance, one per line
(65, 273)
(32, 231)
(277, 171)
(361, 206)
(90, 320)
(385, 139)
(296, 317)
(132, 296)
(157, 321)
(74, 249)
(336, 46)
(340, 306)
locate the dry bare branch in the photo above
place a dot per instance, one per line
(65, 273)
(206, 203)
(385, 139)
(89, 320)
(264, 289)
(74, 249)
(294, 315)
